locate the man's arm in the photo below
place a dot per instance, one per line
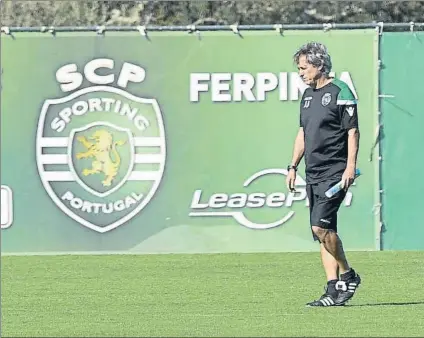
(299, 148)
(349, 115)
(352, 147)
(350, 124)
(348, 108)
(298, 151)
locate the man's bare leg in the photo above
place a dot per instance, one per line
(330, 264)
(349, 279)
(333, 245)
(331, 268)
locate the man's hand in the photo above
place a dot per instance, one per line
(348, 178)
(291, 179)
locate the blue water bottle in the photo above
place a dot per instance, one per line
(337, 187)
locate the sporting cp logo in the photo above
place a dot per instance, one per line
(101, 154)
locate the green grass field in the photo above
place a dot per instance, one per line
(227, 295)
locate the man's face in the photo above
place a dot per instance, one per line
(307, 72)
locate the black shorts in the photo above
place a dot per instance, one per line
(323, 210)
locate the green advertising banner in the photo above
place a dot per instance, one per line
(173, 143)
(403, 140)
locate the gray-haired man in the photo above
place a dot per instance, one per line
(328, 139)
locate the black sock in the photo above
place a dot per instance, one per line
(348, 275)
(331, 287)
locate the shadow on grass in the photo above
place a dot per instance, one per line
(388, 304)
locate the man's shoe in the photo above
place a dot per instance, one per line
(347, 289)
(327, 299)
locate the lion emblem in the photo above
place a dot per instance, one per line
(102, 149)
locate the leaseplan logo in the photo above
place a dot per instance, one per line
(100, 150)
(236, 204)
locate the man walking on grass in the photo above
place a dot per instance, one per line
(328, 139)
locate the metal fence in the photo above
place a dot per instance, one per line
(380, 26)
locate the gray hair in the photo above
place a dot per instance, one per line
(316, 54)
